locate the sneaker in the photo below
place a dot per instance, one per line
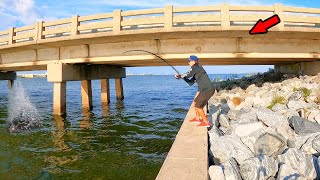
(204, 124)
(195, 120)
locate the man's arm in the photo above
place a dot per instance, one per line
(190, 81)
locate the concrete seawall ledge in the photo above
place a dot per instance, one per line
(188, 156)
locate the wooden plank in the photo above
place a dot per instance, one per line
(142, 21)
(58, 22)
(301, 19)
(301, 10)
(58, 30)
(196, 9)
(252, 8)
(249, 17)
(25, 28)
(24, 35)
(142, 12)
(197, 18)
(95, 25)
(96, 17)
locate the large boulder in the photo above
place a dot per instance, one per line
(295, 105)
(216, 173)
(295, 164)
(270, 118)
(276, 121)
(303, 126)
(258, 168)
(243, 130)
(270, 144)
(229, 146)
(231, 170)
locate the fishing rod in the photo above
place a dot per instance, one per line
(156, 56)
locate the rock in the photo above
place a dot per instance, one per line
(280, 108)
(236, 101)
(303, 126)
(261, 167)
(231, 170)
(228, 146)
(214, 133)
(316, 143)
(296, 96)
(215, 120)
(295, 164)
(312, 115)
(216, 173)
(224, 121)
(249, 101)
(233, 114)
(290, 113)
(270, 144)
(247, 115)
(259, 102)
(317, 118)
(243, 130)
(304, 143)
(295, 105)
(271, 118)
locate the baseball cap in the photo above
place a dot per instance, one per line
(193, 58)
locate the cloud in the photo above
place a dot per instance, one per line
(25, 10)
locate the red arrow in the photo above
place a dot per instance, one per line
(261, 27)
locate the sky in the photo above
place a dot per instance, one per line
(17, 13)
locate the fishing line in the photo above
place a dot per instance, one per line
(156, 56)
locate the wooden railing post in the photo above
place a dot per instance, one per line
(168, 17)
(117, 18)
(74, 25)
(38, 29)
(225, 17)
(278, 9)
(11, 35)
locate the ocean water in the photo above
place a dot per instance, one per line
(124, 140)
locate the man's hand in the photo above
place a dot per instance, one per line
(178, 76)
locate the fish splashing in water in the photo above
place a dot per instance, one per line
(23, 115)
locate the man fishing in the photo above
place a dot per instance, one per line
(205, 88)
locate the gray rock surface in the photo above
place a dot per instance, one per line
(270, 118)
(231, 170)
(295, 164)
(216, 173)
(224, 121)
(258, 168)
(295, 105)
(270, 145)
(229, 146)
(303, 126)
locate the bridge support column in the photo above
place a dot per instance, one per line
(119, 88)
(59, 74)
(59, 98)
(105, 92)
(86, 94)
(302, 68)
(10, 84)
(9, 76)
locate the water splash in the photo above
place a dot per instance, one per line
(23, 115)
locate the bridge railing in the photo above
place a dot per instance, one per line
(166, 19)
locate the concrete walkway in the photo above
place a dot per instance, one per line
(188, 156)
